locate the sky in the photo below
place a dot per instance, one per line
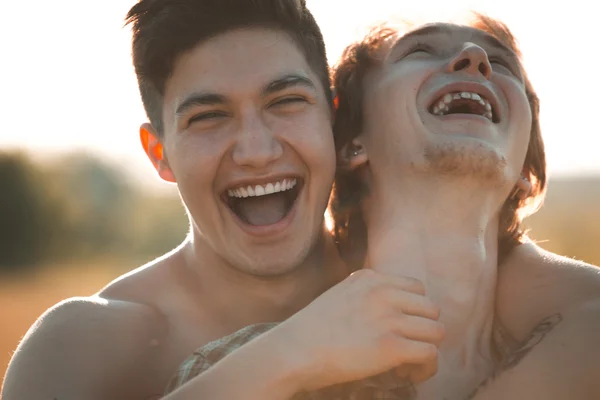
(68, 83)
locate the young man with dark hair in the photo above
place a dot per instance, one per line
(240, 109)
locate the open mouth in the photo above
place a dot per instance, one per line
(266, 204)
(464, 103)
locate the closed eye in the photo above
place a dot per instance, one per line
(415, 49)
(288, 100)
(500, 64)
(206, 116)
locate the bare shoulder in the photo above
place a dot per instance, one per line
(89, 347)
(534, 284)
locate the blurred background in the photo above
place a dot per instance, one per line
(80, 205)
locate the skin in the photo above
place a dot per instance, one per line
(135, 332)
(438, 184)
(272, 120)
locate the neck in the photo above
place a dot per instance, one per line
(446, 238)
(237, 299)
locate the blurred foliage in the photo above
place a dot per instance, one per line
(78, 207)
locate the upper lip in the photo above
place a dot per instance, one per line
(263, 180)
(469, 86)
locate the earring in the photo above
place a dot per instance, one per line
(522, 188)
(357, 150)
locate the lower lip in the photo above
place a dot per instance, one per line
(462, 117)
(269, 230)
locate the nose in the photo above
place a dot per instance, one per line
(256, 145)
(471, 59)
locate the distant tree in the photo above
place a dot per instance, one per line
(27, 214)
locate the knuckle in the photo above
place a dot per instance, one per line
(417, 286)
(435, 309)
(378, 294)
(440, 331)
(412, 285)
(430, 352)
(361, 274)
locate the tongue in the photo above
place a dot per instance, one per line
(262, 210)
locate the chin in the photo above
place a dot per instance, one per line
(466, 156)
(273, 265)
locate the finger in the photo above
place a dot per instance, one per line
(421, 372)
(414, 304)
(417, 373)
(419, 329)
(403, 371)
(409, 351)
(405, 283)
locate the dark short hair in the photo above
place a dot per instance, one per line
(165, 29)
(348, 81)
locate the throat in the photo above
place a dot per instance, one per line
(457, 265)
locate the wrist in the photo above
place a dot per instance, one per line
(284, 364)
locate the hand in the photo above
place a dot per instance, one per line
(367, 324)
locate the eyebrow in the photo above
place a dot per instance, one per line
(287, 81)
(437, 29)
(277, 85)
(199, 99)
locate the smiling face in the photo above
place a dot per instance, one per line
(248, 141)
(450, 99)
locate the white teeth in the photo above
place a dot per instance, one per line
(442, 107)
(261, 190)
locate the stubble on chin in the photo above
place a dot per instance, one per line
(463, 160)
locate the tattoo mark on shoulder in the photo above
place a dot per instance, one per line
(535, 337)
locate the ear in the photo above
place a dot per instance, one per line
(154, 150)
(353, 155)
(523, 187)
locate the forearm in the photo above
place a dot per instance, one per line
(262, 369)
(562, 363)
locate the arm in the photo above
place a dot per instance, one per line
(353, 331)
(560, 360)
(85, 348)
(263, 368)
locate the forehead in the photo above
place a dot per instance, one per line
(449, 34)
(236, 62)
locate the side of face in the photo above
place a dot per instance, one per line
(449, 99)
(248, 141)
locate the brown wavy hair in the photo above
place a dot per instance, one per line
(348, 78)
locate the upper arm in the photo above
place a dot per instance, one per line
(560, 360)
(534, 284)
(83, 348)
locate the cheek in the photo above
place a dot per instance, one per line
(312, 140)
(195, 159)
(522, 119)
